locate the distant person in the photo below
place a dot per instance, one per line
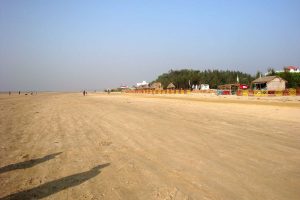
(9, 93)
(19, 92)
(83, 92)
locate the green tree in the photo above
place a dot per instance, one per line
(180, 78)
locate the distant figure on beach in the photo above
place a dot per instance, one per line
(9, 93)
(19, 92)
(83, 92)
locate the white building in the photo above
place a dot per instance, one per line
(204, 87)
(123, 87)
(292, 69)
(142, 84)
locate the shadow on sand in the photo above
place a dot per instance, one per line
(28, 164)
(55, 186)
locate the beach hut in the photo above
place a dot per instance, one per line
(156, 86)
(171, 86)
(229, 88)
(269, 83)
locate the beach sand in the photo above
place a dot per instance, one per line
(126, 146)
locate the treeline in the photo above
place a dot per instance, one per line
(185, 78)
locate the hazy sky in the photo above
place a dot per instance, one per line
(74, 45)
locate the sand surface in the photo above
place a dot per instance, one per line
(67, 146)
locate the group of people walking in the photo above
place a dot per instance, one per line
(31, 93)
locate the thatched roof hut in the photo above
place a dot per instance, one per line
(269, 83)
(156, 86)
(143, 87)
(171, 86)
(228, 86)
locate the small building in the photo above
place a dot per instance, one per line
(142, 84)
(269, 83)
(230, 88)
(171, 86)
(156, 86)
(143, 87)
(123, 87)
(292, 69)
(204, 87)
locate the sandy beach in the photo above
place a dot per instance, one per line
(121, 146)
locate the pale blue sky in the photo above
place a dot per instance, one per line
(74, 45)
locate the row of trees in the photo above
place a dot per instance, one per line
(185, 78)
